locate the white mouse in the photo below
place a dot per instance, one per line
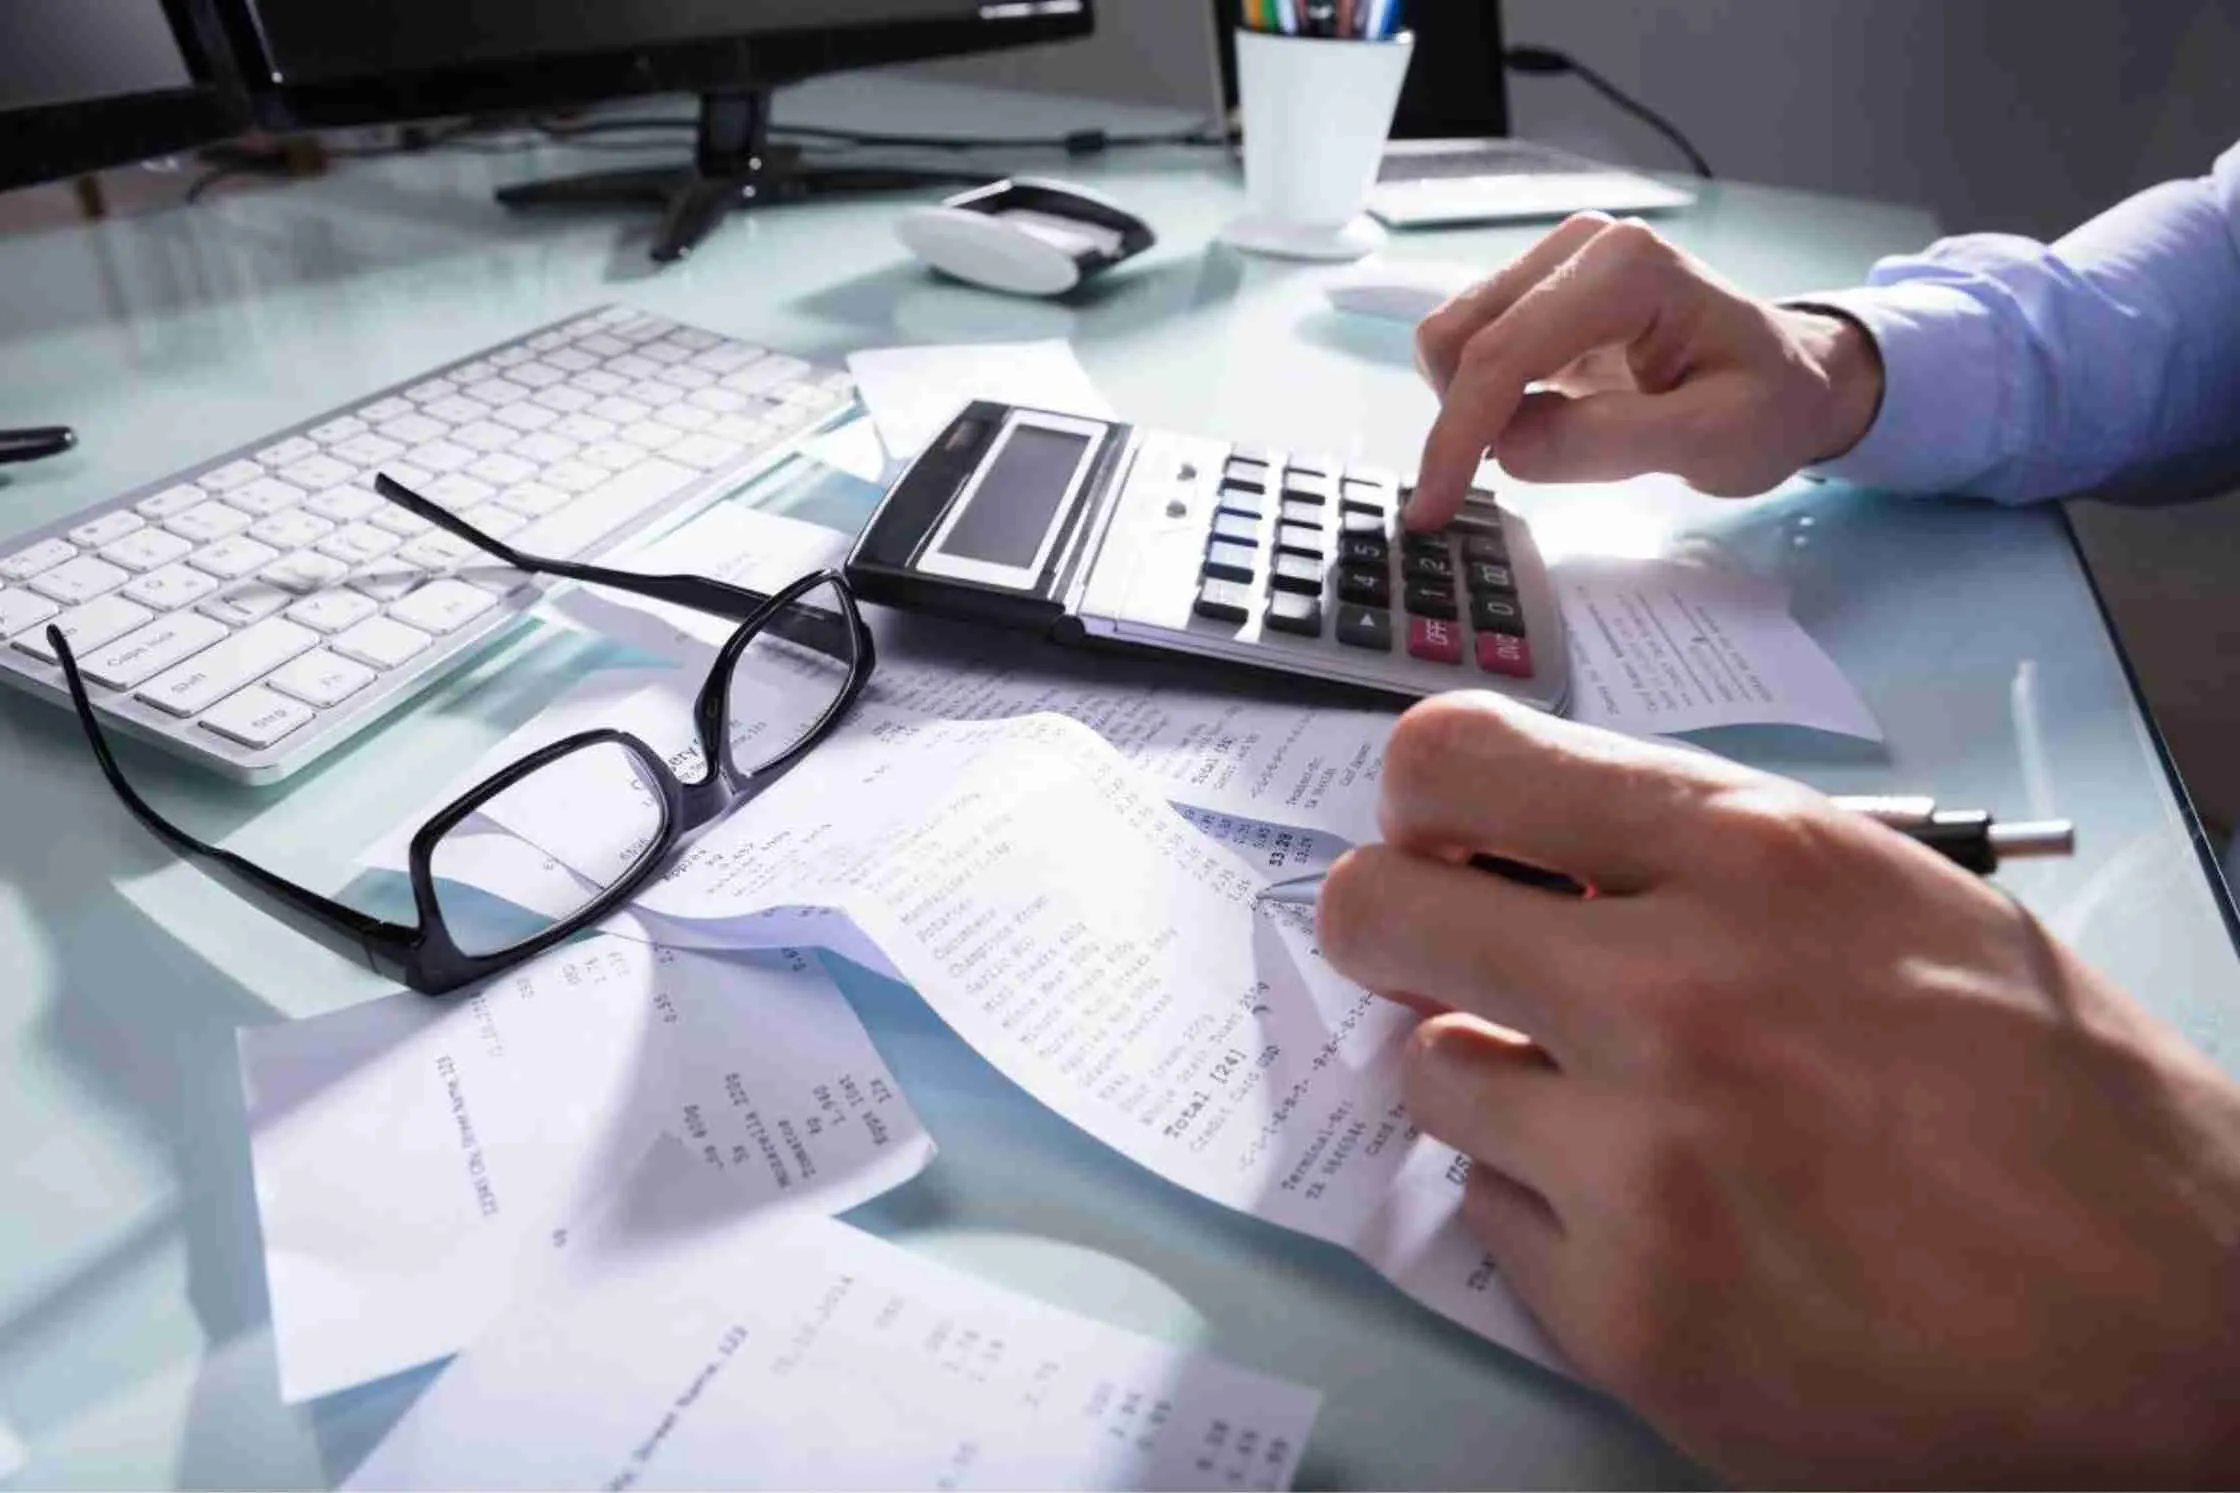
(1027, 235)
(1400, 289)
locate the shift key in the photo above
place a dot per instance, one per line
(216, 672)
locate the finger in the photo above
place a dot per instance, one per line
(1471, 769)
(1489, 1095)
(1440, 337)
(1536, 962)
(1611, 291)
(1522, 1233)
(1604, 437)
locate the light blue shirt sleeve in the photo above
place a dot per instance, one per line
(2018, 370)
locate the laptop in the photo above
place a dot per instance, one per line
(1423, 183)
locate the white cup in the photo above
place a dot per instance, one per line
(1316, 112)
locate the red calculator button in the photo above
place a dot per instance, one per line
(1435, 639)
(1504, 653)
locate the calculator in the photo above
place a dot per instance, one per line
(1096, 532)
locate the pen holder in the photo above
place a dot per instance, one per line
(1316, 111)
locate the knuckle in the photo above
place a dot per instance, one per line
(1778, 835)
(1432, 737)
(1345, 918)
(1634, 244)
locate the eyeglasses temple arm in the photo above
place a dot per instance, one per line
(345, 930)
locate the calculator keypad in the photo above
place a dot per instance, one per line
(1336, 565)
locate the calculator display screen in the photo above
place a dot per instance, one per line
(1017, 497)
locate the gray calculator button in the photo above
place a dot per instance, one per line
(1246, 473)
(1237, 527)
(1245, 500)
(1228, 562)
(1301, 615)
(1298, 574)
(1297, 511)
(1300, 539)
(1361, 522)
(1224, 601)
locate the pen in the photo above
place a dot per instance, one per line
(1970, 838)
(40, 440)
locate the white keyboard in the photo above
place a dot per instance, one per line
(261, 608)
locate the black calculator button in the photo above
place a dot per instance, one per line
(1431, 599)
(1238, 528)
(1249, 473)
(1297, 573)
(1243, 500)
(1368, 588)
(1300, 539)
(1487, 576)
(1224, 601)
(1363, 549)
(1228, 562)
(1295, 614)
(1422, 567)
(1364, 522)
(1429, 545)
(1491, 611)
(1484, 549)
(1365, 627)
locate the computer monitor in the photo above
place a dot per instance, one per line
(86, 84)
(335, 62)
(1456, 85)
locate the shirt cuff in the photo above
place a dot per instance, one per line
(1938, 425)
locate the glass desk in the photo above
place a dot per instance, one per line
(133, 1343)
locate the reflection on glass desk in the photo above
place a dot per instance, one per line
(133, 1342)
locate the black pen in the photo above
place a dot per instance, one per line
(32, 444)
(1970, 838)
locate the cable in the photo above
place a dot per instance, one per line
(1548, 62)
(1073, 142)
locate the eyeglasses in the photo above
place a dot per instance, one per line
(780, 684)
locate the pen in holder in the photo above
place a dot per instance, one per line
(1316, 110)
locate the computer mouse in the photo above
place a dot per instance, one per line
(1400, 289)
(1025, 235)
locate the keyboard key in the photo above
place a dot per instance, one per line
(584, 429)
(22, 609)
(230, 476)
(1505, 653)
(1488, 576)
(727, 357)
(525, 417)
(534, 374)
(172, 586)
(1430, 599)
(472, 373)
(509, 357)
(441, 456)
(177, 498)
(291, 529)
(574, 476)
(458, 491)
(620, 411)
(355, 544)
(257, 717)
(437, 551)
(1237, 528)
(705, 452)
(431, 391)
(1301, 615)
(87, 627)
(398, 471)
(486, 436)
(686, 417)
(1364, 588)
(502, 469)
(304, 572)
(343, 505)
(1493, 612)
(666, 353)
(45, 555)
(381, 643)
(1229, 562)
(615, 456)
(106, 529)
(1365, 627)
(1437, 569)
(495, 393)
(231, 559)
(1224, 601)
(494, 519)
(567, 399)
(1435, 640)
(742, 430)
(547, 343)
(381, 411)
(265, 495)
(457, 410)
(411, 430)
(399, 521)
(245, 602)
(320, 472)
(653, 394)
(321, 678)
(139, 655)
(443, 606)
(599, 345)
(599, 511)
(652, 435)
(1363, 550)
(686, 378)
(632, 366)
(333, 611)
(544, 448)
(368, 450)
(766, 372)
(719, 401)
(534, 499)
(224, 667)
(1298, 574)
(334, 432)
(203, 524)
(79, 580)
(146, 549)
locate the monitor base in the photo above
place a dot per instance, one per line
(734, 167)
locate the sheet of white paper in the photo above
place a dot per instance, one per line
(1659, 646)
(681, 1346)
(912, 392)
(411, 1153)
(852, 448)
(1186, 1024)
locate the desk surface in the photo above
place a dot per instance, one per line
(134, 1347)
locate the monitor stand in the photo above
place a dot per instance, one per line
(734, 167)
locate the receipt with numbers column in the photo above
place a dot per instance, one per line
(683, 1346)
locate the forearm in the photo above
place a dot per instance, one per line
(2018, 370)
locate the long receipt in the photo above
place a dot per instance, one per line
(681, 1345)
(1104, 954)
(412, 1155)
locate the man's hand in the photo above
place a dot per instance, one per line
(1647, 362)
(1817, 1150)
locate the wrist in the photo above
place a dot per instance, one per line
(1848, 367)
